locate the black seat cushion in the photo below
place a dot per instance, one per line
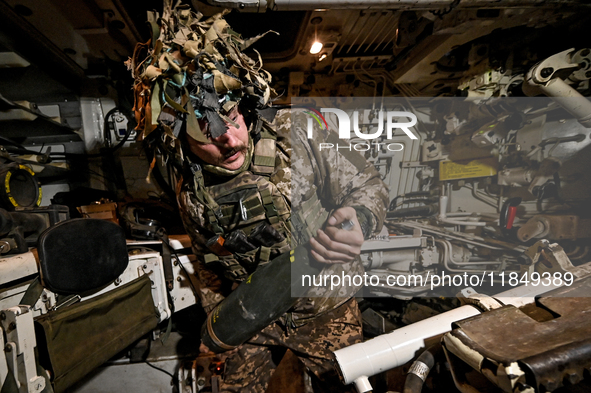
(82, 255)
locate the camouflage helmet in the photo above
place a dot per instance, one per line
(194, 69)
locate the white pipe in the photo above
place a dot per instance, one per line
(362, 384)
(391, 350)
(553, 86)
(443, 207)
(466, 223)
(448, 257)
(358, 362)
(443, 201)
(478, 241)
(570, 99)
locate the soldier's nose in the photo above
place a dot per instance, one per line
(227, 139)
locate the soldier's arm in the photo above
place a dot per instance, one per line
(345, 179)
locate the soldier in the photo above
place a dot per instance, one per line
(197, 97)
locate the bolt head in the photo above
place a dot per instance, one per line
(546, 72)
(572, 378)
(549, 385)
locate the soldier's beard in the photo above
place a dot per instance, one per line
(241, 148)
(233, 158)
(226, 165)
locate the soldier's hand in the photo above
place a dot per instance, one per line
(339, 242)
(221, 356)
(204, 349)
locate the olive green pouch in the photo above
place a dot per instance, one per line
(81, 337)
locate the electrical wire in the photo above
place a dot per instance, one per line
(112, 150)
(159, 177)
(21, 150)
(167, 243)
(174, 378)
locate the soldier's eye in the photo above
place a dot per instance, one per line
(205, 128)
(233, 115)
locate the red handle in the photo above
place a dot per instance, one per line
(511, 216)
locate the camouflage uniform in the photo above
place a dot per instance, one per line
(325, 321)
(251, 367)
(195, 68)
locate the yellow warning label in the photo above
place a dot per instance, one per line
(452, 170)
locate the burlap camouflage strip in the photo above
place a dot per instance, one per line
(192, 69)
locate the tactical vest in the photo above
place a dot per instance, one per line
(247, 200)
(252, 197)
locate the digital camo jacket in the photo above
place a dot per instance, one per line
(295, 196)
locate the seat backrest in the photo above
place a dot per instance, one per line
(81, 255)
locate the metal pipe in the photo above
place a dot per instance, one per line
(448, 257)
(380, 258)
(358, 362)
(370, 31)
(470, 239)
(292, 5)
(385, 40)
(304, 5)
(358, 35)
(385, 25)
(393, 40)
(345, 38)
(570, 99)
(412, 211)
(443, 202)
(546, 77)
(464, 223)
(480, 196)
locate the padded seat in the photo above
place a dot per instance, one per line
(82, 255)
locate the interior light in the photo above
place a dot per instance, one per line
(322, 57)
(316, 47)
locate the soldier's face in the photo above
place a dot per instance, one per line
(227, 151)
